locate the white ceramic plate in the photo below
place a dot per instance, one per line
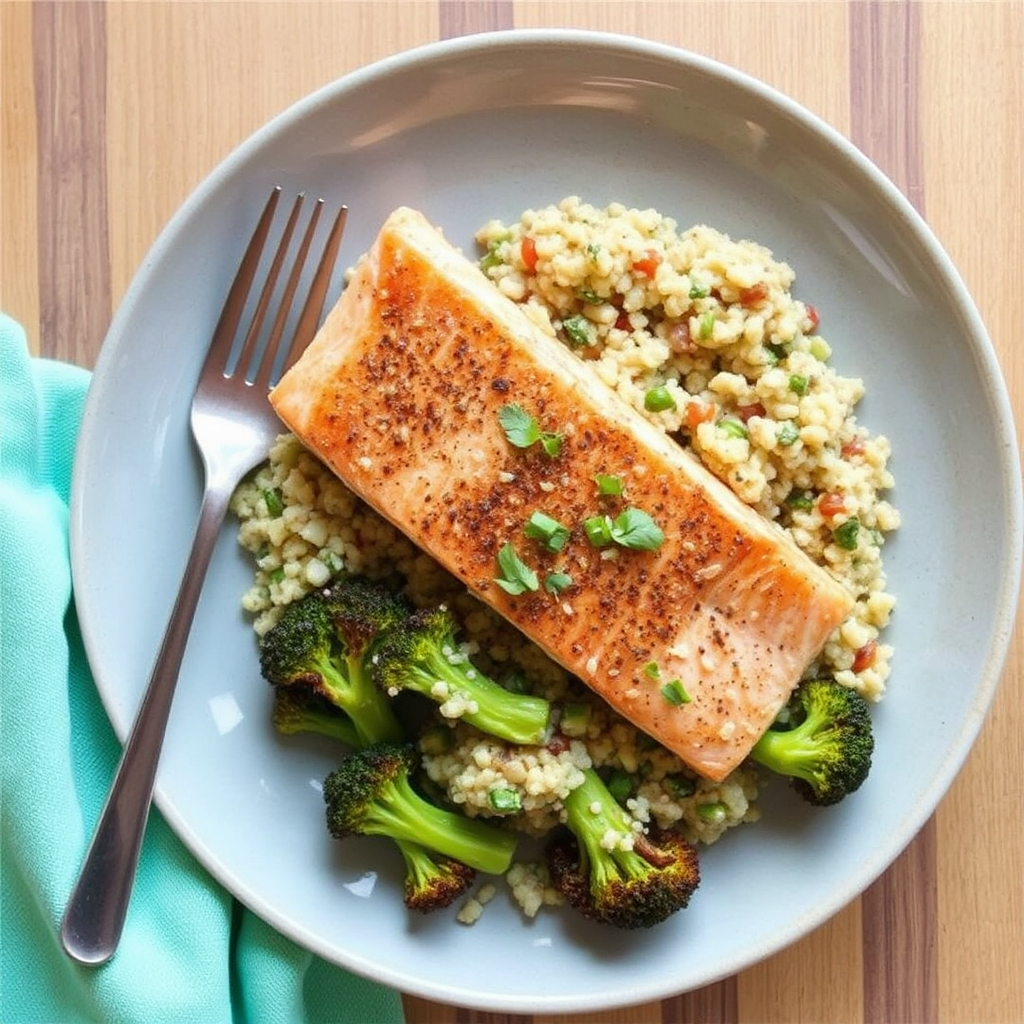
(485, 127)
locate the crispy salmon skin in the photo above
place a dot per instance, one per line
(402, 394)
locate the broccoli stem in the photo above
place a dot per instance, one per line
(515, 717)
(407, 817)
(791, 752)
(373, 717)
(593, 815)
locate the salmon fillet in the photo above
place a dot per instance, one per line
(401, 393)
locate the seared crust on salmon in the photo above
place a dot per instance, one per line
(400, 394)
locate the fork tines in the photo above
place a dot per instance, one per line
(259, 358)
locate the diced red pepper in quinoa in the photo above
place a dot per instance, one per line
(528, 252)
(622, 322)
(865, 656)
(754, 295)
(747, 412)
(812, 316)
(698, 413)
(832, 503)
(558, 744)
(648, 264)
(854, 447)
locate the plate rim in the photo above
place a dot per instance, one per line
(939, 261)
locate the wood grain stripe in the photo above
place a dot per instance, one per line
(465, 17)
(713, 1004)
(899, 912)
(69, 56)
(19, 289)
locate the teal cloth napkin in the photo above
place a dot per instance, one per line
(189, 952)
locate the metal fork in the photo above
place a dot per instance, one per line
(233, 425)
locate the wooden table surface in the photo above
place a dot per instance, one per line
(114, 112)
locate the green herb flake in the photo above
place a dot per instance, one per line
(659, 399)
(556, 582)
(635, 529)
(675, 693)
(578, 330)
(492, 258)
(598, 530)
(798, 384)
(706, 325)
(593, 251)
(732, 427)
(551, 442)
(846, 534)
(274, 501)
(801, 500)
(609, 486)
(276, 575)
(652, 671)
(787, 434)
(550, 532)
(774, 353)
(698, 290)
(521, 429)
(516, 576)
(504, 800)
(590, 297)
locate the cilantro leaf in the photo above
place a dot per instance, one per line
(556, 582)
(635, 529)
(521, 429)
(516, 576)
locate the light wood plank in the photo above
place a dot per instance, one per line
(19, 249)
(816, 979)
(975, 189)
(799, 47)
(189, 82)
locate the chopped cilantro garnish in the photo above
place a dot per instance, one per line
(578, 330)
(598, 530)
(516, 576)
(732, 427)
(609, 486)
(274, 501)
(675, 693)
(556, 582)
(550, 532)
(846, 534)
(633, 528)
(788, 433)
(523, 430)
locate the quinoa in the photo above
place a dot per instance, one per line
(704, 337)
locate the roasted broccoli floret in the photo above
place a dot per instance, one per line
(822, 741)
(296, 710)
(611, 872)
(432, 881)
(422, 655)
(371, 793)
(320, 644)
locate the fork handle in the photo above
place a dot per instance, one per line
(95, 913)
